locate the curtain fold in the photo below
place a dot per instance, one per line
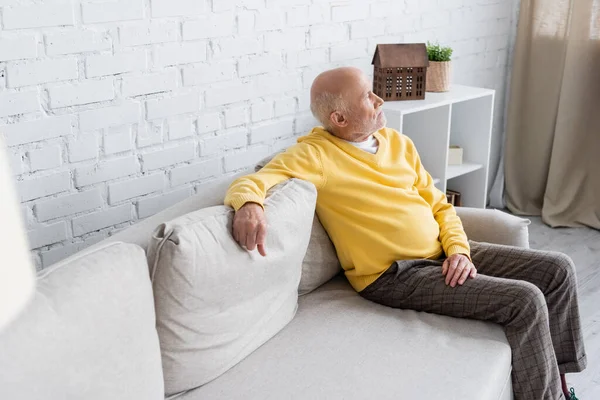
(552, 148)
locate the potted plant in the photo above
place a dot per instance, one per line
(440, 68)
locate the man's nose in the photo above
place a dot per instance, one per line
(378, 101)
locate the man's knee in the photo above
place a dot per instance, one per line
(564, 268)
(530, 300)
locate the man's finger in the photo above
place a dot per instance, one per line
(260, 240)
(262, 250)
(251, 239)
(473, 272)
(445, 267)
(451, 269)
(465, 274)
(450, 275)
(238, 233)
(457, 274)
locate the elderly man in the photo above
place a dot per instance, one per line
(402, 245)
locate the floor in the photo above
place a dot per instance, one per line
(583, 246)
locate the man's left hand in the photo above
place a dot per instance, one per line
(458, 268)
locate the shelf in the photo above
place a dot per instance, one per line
(457, 94)
(462, 116)
(457, 170)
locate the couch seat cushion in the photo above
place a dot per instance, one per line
(341, 346)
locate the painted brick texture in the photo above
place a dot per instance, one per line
(114, 110)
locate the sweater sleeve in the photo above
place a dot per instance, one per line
(301, 161)
(452, 235)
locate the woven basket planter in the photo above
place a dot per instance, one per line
(438, 76)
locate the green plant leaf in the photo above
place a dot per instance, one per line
(435, 52)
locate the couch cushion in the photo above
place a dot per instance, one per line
(341, 346)
(320, 263)
(216, 302)
(89, 332)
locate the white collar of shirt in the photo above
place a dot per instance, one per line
(370, 145)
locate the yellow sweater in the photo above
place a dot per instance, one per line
(377, 208)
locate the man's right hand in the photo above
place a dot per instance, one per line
(250, 227)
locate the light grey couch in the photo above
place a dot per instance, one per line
(338, 346)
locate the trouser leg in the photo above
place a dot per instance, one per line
(518, 306)
(554, 274)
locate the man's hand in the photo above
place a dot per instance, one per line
(458, 268)
(250, 227)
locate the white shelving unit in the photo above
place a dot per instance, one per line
(464, 117)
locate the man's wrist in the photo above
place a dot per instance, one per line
(458, 249)
(252, 203)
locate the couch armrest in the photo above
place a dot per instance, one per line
(493, 226)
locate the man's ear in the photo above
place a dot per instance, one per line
(338, 119)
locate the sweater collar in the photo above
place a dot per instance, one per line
(353, 150)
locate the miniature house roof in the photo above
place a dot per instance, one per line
(401, 55)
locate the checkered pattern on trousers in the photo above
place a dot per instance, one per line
(531, 293)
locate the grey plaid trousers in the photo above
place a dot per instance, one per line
(531, 293)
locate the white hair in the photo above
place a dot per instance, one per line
(326, 103)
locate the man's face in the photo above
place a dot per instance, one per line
(365, 114)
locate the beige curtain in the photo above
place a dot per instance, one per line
(552, 153)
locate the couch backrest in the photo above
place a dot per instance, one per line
(209, 194)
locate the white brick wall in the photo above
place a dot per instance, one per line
(179, 53)
(209, 73)
(83, 148)
(152, 204)
(169, 106)
(39, 130)
(18, 103)
(137, 187)
(180, 128)
(171, 156)
(38, 16)
(117, 140)
(150, 83)
(233, 139)
(71, 204)
(47, 157)
(106, 170)
(76, 41)
(147, 33)
(114, 110)
(113, 11)
(109, 64)
(42, 186)
(35, 72)
(101, 219)
(176, 8)
(128, 112)
(18, 48)
(89, 91)
(209, 26)
(195, 172)
(48, 234)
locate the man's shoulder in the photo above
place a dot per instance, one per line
(305, 145)
(314, 138)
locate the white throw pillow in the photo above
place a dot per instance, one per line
(216, 302)
(321, 262)
(88, 333)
